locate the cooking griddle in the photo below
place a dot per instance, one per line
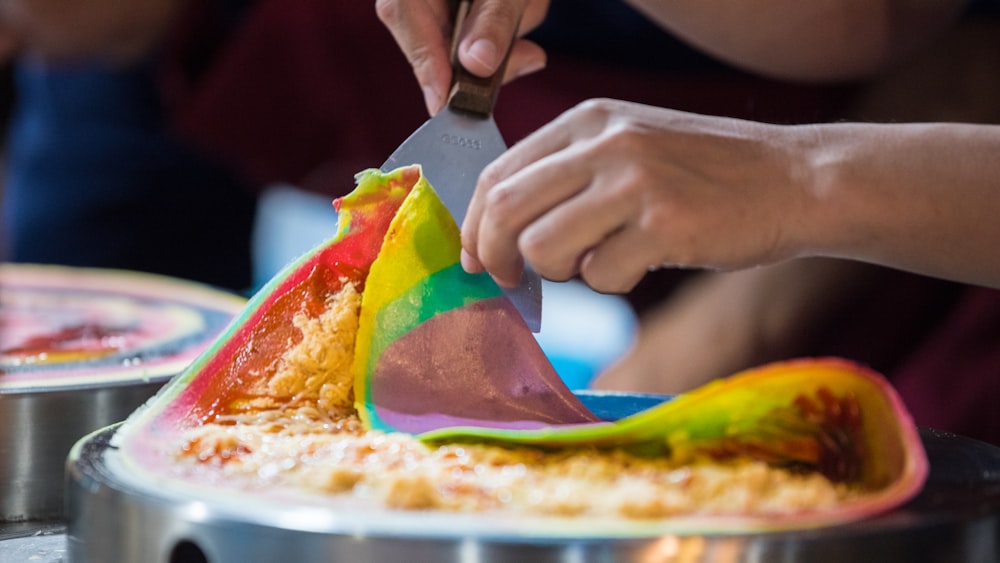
(81, 349)
(118, 516)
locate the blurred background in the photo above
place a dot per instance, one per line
(207, 140)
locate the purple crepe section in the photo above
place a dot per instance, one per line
(481, 365)
(420, 423)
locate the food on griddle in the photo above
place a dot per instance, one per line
(63, 325)
(374, 374)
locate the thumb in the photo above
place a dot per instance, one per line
(488, 31)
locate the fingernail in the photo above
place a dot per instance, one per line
(484, 52)
(470, 264)
(432, 99)
(504, 283)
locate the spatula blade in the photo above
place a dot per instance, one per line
(453, 147)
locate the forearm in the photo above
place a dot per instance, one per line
(812, 40)
(918, 197)
(719, 323)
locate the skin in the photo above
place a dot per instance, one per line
(423, 30)
(744, 318)
(659, 187)
(754, 316)
(832, 39)
(612, 189)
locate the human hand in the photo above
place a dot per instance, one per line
(611, 189)
(422, 28)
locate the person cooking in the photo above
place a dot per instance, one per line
(612, 189)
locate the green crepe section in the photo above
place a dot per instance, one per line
(794, 412)
(422, 239)
(835, 416)
(439, 293)
(457, 334)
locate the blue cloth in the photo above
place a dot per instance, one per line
(94, 178)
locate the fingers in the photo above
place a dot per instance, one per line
(546, 141)
(619, 262)
(422, 28)
(525, 58)
(514, 204)
(556, 243)
(526, 182)
(490, 28)
(593, 234)
(553, 213)
(610, 189)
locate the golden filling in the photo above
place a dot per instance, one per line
(311, 441)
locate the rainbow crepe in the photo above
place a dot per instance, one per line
(443, 354)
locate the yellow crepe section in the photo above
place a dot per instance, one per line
(416, 256)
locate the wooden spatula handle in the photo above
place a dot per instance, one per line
(471, 93)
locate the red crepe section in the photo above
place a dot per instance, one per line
(249, 355)
(505, 380)
(249, 358)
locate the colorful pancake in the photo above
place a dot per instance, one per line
(373, 374)
(62, 326)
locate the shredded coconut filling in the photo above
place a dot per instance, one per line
(311, 440)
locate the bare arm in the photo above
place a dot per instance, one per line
(918, 197)
(794, 39)
(717, 323)
(611, 189)
(808, 40)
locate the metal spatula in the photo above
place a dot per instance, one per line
(455, 145)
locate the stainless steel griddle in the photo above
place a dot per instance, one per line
(117, 517)
(45, 407)
(37, 430)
